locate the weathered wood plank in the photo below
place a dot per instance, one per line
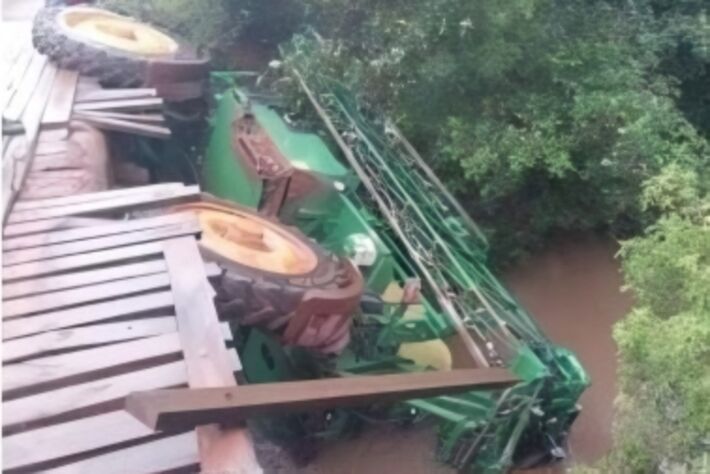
(74, 397)
(77, 279)
(86, 336)
(160, 455)
(128, 104)
(72, 262)
(15, 76)
(178, 409)
(52, 368)
(85, 294)
(114, 94)
(155, 198)
(85, 314)
(61, 99)
(51, 225)
(16, 257)
(146, 118)
(25, 88)
(32, 115)
(56, 441)
(83, 278)
(125, 126)
(207, 361)
(101, 195)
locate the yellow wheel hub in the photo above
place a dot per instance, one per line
(251, 240)
(434, 353)
(105, 28)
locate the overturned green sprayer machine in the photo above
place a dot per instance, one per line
(356, 187)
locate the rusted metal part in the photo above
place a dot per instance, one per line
(178, 409)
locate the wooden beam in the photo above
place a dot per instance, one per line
(25, 87)
(93, 335)
(161, 455)
(53, 368)
(85, 294)
(61, 99)
(128, 104)
(73, 262)
(208, 363)
(186, 408)
(114, 94)
(145, 118)
(56, 441)
(152, 198)
(96, 312)
(15, 257)
(100, 230)
(102, 390)
(51, 225)
(126, 126)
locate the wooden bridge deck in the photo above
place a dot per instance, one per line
(95, 308)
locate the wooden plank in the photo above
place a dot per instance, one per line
(92, 313)
(128, 104)
(101, 195)
(25, 88)
(50, 225)
(126, 126)
(146, 118)
(53, 135)
(186, 408)
(15, 76)
(52, 147)
(45, 252)
(56, 441)
(162, 455)
(154, 198)
(76, 279)
(61, 99)
(75, 397)
(208, 364)
(85, 336)
(102, 230)
(34, 110)
(58, 161)
(115, 94)
(72, 262)
(84, 294)
(53, 368)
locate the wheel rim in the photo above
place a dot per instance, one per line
(104, 28)
(252, 241)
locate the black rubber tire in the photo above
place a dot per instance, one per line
(110, 66)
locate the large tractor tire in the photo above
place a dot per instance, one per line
(118, 50)
(278, 279)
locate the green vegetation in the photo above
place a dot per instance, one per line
(545, 116)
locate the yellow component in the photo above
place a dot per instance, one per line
(434, 353)
(109, 29)
(251, 240)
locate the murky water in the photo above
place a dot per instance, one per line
(573, 291)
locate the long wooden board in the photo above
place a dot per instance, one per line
(51, 225)
(25, 88)
(101, 230)
(84, 294)
(126, 126)
(97, 334)
(75, 397)
(162, 455)
(207, 360)
(153, 197)
(72, 262)
(114, 94)
(187, 408)
(67, 318)
(128, 104)
(144, 118)
(32, 115)
(53, 368)
(61, 99)
(52, 442)
(16, 257)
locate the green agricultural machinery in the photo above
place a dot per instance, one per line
(355, 186)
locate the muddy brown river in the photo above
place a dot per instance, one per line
(573, 291)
